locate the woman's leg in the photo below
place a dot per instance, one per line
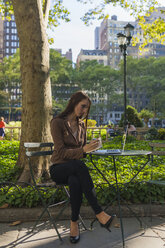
(64, 174)
(82, 173)
(87, 187)
(75, 196)
(60, 174)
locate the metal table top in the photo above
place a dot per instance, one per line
(123, 153)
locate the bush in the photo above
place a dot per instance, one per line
(8, 157)
(152, 134)
(136, 192)
(161, 133)
(12, 133)
(91, 123)
(132, 117)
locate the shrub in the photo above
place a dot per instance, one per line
(132, 116)
(126, 167)
(12, 133)
(8, 156)
(161, 133)
(91, 123)
(152, 134)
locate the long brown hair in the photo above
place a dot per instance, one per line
(74, 100)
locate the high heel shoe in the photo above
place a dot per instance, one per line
(75, 239)
(109, 223)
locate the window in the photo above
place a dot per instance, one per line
(7, 30)
(13, 44)
(14, 37)
(7, 43)
(13, 24)
(7, 37)
(101, 61)
(7, 24)
(7, 50)
(13, 30)
(13, 50)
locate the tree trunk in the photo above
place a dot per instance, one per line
(36, 88)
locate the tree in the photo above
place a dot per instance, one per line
(146, 83)
(32, 18)
(102, 84)
(132, 117)
(10, 83)
(146, 115)
(141, 10)
(61, 72)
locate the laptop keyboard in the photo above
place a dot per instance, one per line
(114, 151)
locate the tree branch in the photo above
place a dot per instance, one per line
(46, 11)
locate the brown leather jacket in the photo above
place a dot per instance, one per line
(66, 146)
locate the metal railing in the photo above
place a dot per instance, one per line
(15, 132)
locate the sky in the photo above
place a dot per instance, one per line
(75, 34)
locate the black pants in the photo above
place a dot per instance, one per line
(76, 175)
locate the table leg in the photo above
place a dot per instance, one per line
(118, 198)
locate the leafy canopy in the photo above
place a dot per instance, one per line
(139, 9)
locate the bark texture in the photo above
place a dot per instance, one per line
(36, 88)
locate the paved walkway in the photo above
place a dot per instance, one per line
(152, 237)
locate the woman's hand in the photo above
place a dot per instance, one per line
(91, 146)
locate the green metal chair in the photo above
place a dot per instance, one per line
(34, 150)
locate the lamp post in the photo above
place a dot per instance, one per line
(124, 41)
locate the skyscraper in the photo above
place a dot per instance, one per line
(10, 37)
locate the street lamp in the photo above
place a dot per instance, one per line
(124, 41)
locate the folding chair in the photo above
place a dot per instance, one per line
(30, 147)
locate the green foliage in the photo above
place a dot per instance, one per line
(12, 133)
(152, 134)
(146, 115)
(132, 117)
(8, 156)
(146, 79)
(9, 82)
(91, 123)
(136, 192)
(161, 133)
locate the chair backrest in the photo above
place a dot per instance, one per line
(37, 145)
(158, 145)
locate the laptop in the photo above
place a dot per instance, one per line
(113, 151)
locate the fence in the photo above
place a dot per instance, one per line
(15, 132)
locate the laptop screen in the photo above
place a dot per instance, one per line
(124, 138)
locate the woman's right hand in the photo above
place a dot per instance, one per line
(91, 146)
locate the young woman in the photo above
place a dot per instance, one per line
(69, 136)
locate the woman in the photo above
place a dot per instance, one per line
(2, 128)
(69, 135)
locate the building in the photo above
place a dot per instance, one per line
(155, 49)
(96, 54)
(1, 39)
(67, 55)
(109, 29)
(108, 40)
(10, 37)
(97, 37)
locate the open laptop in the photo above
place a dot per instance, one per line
(114, 151)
